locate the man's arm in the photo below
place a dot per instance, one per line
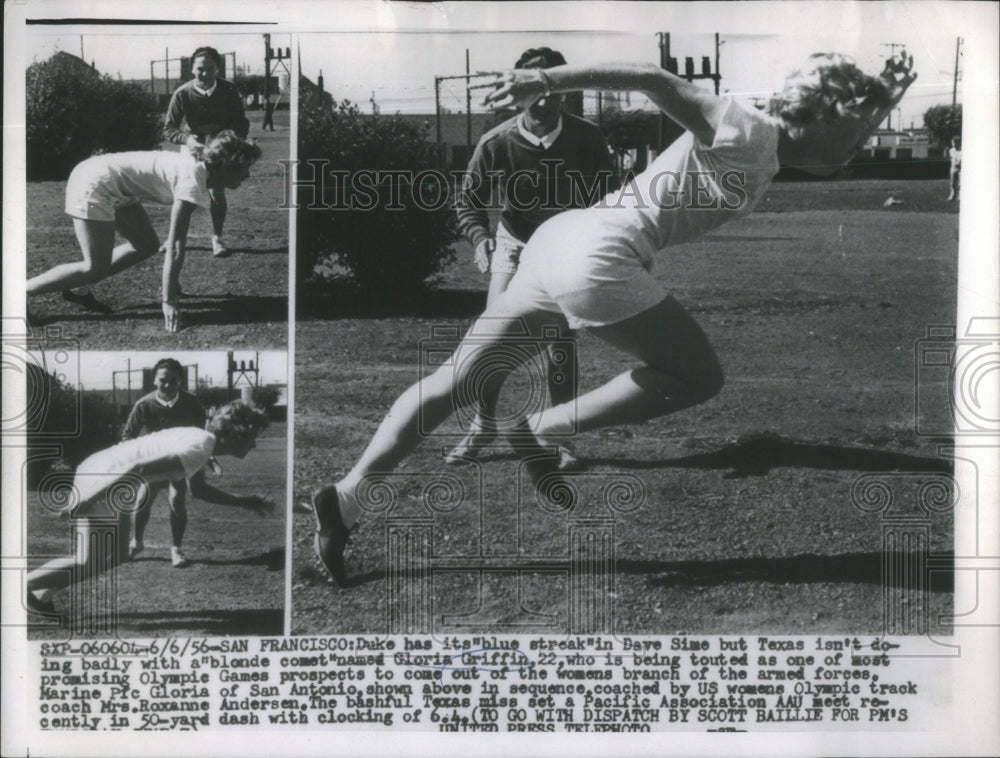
(173, 125)
(693, 108)
(473, 198)
(133, 426)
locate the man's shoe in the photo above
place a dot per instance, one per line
(568, 460)
(87, 301)
(332, 534)
(542, 464)
(177, 559)
(219, 249)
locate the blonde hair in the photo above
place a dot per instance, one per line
(827, 87)
(227, 148)
(235, 421)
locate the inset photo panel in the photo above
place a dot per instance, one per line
(156, 493)
(154, 185)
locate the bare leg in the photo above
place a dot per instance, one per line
(101, 258)
(680, 370)
(140, 518)
(97, 239)
(482, 357)
(177, 495)
(59, 572)
(483, 428)
(218, 210)
(134, 225)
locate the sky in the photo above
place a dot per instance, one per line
(762, 43)
(127, 51)
(395, 50)
(94, 369)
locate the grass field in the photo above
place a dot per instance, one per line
(238, 301)
(814, 303)
(235, 584)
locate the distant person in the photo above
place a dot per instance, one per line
(591, 268)
(200, 109)
(135, 465)
(166, 407)
(104, 195)
(269, 106)
(955, 156)
(525, 165)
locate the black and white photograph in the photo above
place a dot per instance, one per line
(501, 378)
(624, 327)
(154, 187)
(164, 485)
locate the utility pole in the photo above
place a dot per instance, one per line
(468, 106)
(718, 76)
(954, 83)
(468, 100)
(267, 66)
(437, 117)
(669, 63)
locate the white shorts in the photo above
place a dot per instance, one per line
(87, 194)
(593, 272)
(507, 253)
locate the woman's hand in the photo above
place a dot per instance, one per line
(520, 87)
(171, 317)
(193, 143)
(898, 75)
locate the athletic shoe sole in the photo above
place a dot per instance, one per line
(332, 534)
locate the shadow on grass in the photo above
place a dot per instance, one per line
(196, 310)
(344, 300)
(272, 560)
(249, 621)
(242, 250)
(850, 568)
(758, 455)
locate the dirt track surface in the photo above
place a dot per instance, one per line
(815, 303)
(239, 301)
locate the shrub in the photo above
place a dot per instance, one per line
(264, 397)
(631, 129)
(80, 423)
(213, 397)
(943, 122)
(72, 112)
(389, 251)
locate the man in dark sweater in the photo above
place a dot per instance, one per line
(166, 407)
(533, 166)
(200, 109)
